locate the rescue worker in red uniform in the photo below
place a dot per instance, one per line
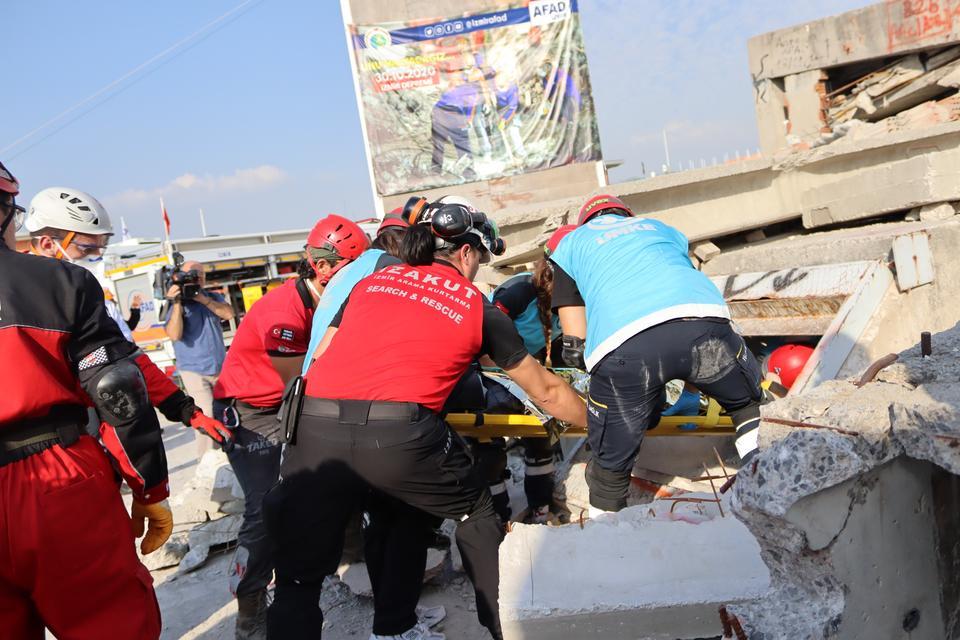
(67, 560)
(267, 352)
(71, 225)
(370, 417)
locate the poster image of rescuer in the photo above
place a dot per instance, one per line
(486, 104)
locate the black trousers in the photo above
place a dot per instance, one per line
(627, 391)
(416, 461)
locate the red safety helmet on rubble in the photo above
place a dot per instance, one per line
(598, 205)
(453, 219)
(340, 236)
(788, 361)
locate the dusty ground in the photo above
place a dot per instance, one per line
(198, 605)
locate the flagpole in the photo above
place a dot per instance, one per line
(203, 223)
(166, 231)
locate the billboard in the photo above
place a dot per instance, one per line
(475, 97)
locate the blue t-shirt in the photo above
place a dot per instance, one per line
(200, 349)
(519, 298)
(337, 290)
(633, 273)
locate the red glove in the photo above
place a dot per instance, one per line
(213, 428)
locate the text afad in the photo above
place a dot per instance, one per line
(549, 11)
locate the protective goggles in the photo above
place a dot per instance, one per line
(451, 222)
(14, 214)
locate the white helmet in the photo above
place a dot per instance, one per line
(69, 210)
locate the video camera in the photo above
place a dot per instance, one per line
(189, 281)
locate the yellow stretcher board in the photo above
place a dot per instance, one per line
(486, 426)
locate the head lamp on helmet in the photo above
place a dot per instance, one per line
(455, 221)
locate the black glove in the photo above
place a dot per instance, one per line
(573, 351)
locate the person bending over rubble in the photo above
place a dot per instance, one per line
(391, 596)
(267, 352)
(370, 419)
(525, 298)
(635, 314)
(67, 558)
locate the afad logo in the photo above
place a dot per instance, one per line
(549, 11)
(377, 38)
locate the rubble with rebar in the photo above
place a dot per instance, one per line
(851, 501)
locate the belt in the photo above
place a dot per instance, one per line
(359, 412)
(24, 438)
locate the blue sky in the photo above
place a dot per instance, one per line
(257, 124)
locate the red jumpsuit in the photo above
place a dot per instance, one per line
(67, 555)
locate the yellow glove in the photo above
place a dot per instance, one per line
(159, 524)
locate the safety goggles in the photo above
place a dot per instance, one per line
(14, 214)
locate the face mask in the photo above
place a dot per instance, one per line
(93, 264)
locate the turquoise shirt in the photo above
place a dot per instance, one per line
(633, 273)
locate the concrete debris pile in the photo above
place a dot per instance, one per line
(661, 567)
(207, 512)
(852, 501)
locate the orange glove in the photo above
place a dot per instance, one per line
(211, 427)
(159, 524)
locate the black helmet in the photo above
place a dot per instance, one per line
(455, 221)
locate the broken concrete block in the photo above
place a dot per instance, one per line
(207, 535)
(232, 507)
(636, 563)
(436, 561)
(355, 576)
(225, 487)
(449, 529)
(755, 236)
(941, 211)
(170, 554)
(705, 250)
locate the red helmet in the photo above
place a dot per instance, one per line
(8, 184)
(788, 361)
(343, 237)
(554, 240)
(393, 219)
(597, 204)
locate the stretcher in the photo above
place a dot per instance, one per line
(485, 426)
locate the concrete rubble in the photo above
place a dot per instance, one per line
(854, 505)
(211, 507)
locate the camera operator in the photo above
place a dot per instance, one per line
(194, 326)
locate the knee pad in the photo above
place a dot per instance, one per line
(608, 489)
(121, 392)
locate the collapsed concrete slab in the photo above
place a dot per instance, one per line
(645, 572)
(854, 499)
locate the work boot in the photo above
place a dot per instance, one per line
(252, 616)
(417, 632)
(430, 617)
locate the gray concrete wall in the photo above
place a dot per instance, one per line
(881, 536)
(846, 181)
(883, 29)
(902, 317)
